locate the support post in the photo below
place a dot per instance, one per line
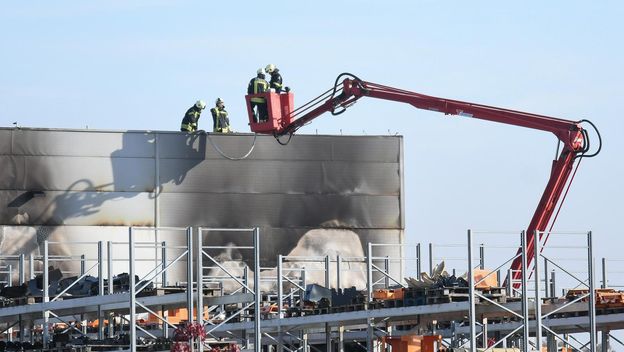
(553, 285)
(200, 283)
(131, 273)
(387, 272)
(369, 292)
(605, 340)
(22, 269)
(538, 300)
(418, 262)
(604, 274)
(189, 274)
(328, 331)
(525, 295)
(31, 266)
(100, 249)
(109, 262)
(481, 256)
(46, 297)
(431, 259)
(546, 279)
(338, 273)
(163, 259)
(471, 297)
(257, 294)
(592, 294)
(280, 300)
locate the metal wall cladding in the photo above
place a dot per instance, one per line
(178, 179)
(280, 210)
(76, 208)
(83, 143)
(5, 141)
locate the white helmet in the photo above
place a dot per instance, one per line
(219, 100)
(270, 68)
(200, 104)
(260, 71)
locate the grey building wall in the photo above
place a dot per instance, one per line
(54, 179)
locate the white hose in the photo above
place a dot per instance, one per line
(253, 145)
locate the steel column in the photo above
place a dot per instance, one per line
(109, 262)
(481, 256)
(189, 273)
(46, 297)
(131, 273)
(163, 259)
(592, 294)
(605, 340)
(328, 330)
(100, 249)
(431, 259)
(387, 272)
(525, 296)
(604, 273)
(257, 294)
(418, 262)
(200, 283)
(22, 269)
(338, 274)
(538, 300)
(280, 299)
(471, 296)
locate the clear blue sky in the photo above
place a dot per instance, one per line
(141, 64)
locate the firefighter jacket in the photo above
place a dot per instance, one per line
(258, 85)
(276, 81)
(189, 122)
(220, 121)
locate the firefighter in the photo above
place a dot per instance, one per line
(189, 122)
(258, 105)
(220, 121)
(276, 78)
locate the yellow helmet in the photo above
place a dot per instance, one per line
(270, 68)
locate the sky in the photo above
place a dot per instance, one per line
(138, 65)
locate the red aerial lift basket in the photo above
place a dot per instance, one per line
(279, 106)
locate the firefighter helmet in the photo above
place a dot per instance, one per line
(270, 68)
(219, 100)
(200, 104)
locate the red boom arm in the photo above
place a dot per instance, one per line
(568, 132)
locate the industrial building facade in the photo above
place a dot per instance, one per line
(317, 195)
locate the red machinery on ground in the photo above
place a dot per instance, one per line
(283, 120)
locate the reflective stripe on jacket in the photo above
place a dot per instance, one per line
(257, 85)
(220, 121)
(191, 117)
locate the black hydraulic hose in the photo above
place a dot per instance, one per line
(305, 107)
(586, 138)
(356, 78)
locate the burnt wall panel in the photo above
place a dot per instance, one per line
(76, 208)
(376, 148)
(202, 146)
(273, 176)
(87, 143)
(89, 174)
(95, 177)
(11, 172)
(279, 210)
(5, 141)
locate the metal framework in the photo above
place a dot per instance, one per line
(290, 277)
